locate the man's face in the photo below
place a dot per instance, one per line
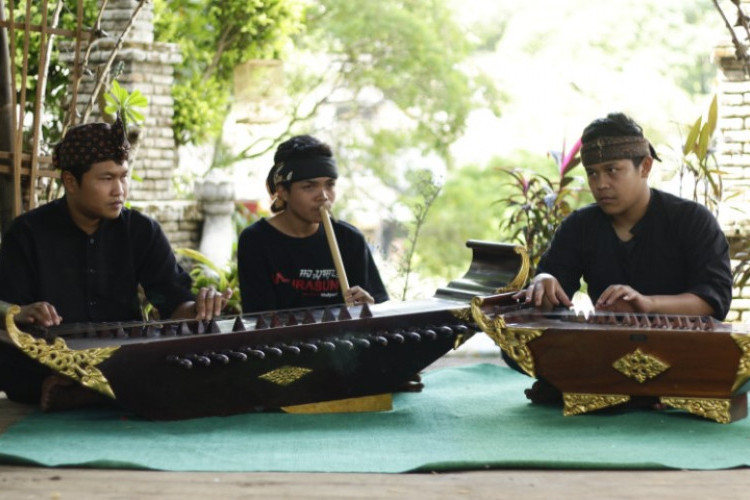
(618, 185)
(102, 191)
(304, 198)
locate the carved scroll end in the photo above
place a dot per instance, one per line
(77, 365)
(523, 272)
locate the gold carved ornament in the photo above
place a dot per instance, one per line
(464, 314)
(743, 367)
(640, 366)
(285, 375)
(512, 340)
(718, 410)
(523, 273)
(578, 403)
(78, 365)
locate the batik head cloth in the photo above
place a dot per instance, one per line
(91, 143)
(604, 149)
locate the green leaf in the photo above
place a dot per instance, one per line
(135, 116)
(692, 136)
(703, 142)
(138, 100)
(713, 113)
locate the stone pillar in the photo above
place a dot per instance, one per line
(216, 192)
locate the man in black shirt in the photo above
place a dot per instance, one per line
(285, 261)
(82, 258)
(638, 249)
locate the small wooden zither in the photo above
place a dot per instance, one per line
(604, 359)
(286, 359)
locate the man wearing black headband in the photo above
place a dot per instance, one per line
(284, 261)
(82, 258)
(638, 249)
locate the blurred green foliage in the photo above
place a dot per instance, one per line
(206, 273)
(214, 36)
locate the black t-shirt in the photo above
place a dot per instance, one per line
(677, 247)
(44, 256)
(278, 271)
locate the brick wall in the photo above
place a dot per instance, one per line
(733, 156)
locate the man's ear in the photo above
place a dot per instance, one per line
(646, 164)
(70, 183)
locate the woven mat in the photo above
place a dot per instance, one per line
(472, 417)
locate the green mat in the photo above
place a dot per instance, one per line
(473, 417)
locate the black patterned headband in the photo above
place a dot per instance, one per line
(605, 149)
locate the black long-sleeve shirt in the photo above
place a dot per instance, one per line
(677, 247)
(44, 256)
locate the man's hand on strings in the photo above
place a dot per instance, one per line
(623, 298)
(39, 313)
(544, 292)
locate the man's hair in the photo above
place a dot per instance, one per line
(616, 125)
(300, 147)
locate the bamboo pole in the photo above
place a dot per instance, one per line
(17, 192)
(7, 112)
(41, 82)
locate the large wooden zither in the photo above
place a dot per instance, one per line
(601, 360)
(270, 360)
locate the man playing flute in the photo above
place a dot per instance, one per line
(284, 261)
(82, 258)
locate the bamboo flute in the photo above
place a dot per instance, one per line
(335, 252)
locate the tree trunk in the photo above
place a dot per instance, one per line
(6, 132)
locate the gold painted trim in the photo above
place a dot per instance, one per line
(78, 365)
(713, 409)
(511, 340)
(640, 366)
(523, 273)
(481, 319)
(743, 367)
(377, 402)
(464, 314)
(578, 403)
(285, 375)
(514, 342)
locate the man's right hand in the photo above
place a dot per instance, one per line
(39, 313)
(544, 292)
